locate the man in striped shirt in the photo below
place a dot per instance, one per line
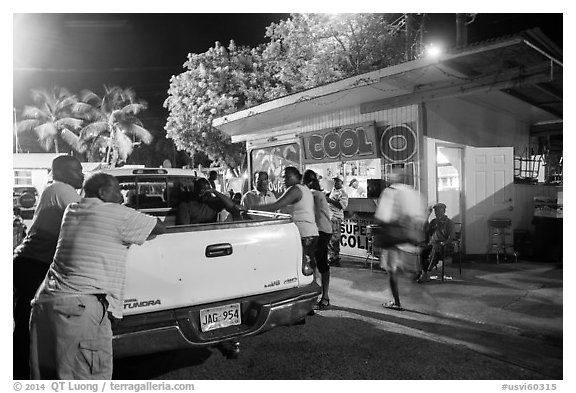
(70, 332)
(337, 202)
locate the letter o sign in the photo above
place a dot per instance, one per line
(398, 143)
(332, 144)
(348, 142)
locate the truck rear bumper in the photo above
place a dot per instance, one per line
(178, 329)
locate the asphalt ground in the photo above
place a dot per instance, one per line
(494, 322)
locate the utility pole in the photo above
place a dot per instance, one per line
(409, 18)
(461, 30)
(15, 130)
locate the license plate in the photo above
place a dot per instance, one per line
(220, 317)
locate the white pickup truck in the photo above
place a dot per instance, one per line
(206, 284)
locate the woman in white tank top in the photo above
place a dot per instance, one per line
(298, 201)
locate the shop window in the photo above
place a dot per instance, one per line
(353, 171)
(273, 160)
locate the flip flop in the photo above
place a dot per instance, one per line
(392, 306)
(323, 304)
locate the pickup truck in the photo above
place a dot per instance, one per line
(207, 284)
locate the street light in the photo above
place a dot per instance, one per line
(434, 50)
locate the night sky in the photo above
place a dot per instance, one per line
(142, 51)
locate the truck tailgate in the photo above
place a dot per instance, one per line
(197, 264)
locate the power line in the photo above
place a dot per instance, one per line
(96, 70)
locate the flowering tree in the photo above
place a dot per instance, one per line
(304, 51)
(309, 50)
(217, 82)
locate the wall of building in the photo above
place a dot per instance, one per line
(476, 123)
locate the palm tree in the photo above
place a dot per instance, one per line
(52, 119)
(113, 127)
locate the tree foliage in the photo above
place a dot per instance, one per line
(215, 83)
(304, 51)
(309, 50)
(52, 119)
(113, 127)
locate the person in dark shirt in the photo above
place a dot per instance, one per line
(204, 204)
(439, 232)
(33, 256)
(212, 178)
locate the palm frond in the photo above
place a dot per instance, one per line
(32, 112)
(135, 130)
(66, 102)
(68, 122)
(73, 140)
(27, 125)
(118, 116)
(134, 109)
(129, 95)
(61, 93)
(124, 145)
(93, 130)
(40, 96)
(46, 131)
(88, 96)
(46, 143)
(83, 110)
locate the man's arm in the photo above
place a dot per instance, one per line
(182, 214)
(159, 228)
(228, 203)
(451, 230)
(334, 202)
(290, 197)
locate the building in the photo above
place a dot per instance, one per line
(462, 126)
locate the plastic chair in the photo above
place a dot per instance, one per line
(499, 233)
(451, 249)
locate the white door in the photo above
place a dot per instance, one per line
(489, 192)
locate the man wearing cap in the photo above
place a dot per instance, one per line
(337, 202)
(33, 256)
(439, 232)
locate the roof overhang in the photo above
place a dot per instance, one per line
(518, 68)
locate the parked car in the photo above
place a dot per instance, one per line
(207, 284)
(25, 198)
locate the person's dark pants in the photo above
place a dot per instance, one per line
(309, 250)
(334, 243)
(429, 256)
(322, 252)
(28, 274)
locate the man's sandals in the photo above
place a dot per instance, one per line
(392, 306)
(323, 304)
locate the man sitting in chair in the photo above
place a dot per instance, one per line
(439, 233)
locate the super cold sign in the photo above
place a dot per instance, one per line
(340, 144)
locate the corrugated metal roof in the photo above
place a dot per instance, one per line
(511, 65)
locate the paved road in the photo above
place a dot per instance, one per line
(358, 339)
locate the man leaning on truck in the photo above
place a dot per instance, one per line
(70, 332)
